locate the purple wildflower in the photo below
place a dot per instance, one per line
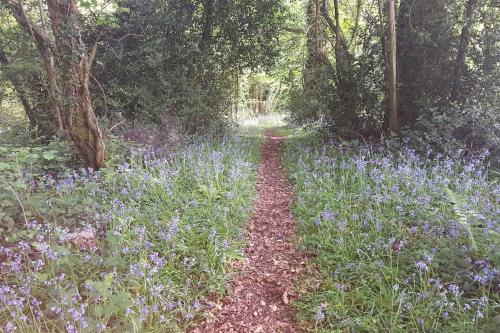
(454, 290)
(422, 266)
(320, 315)
(10, 327)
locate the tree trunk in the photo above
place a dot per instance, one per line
(20, 91)
(206, 35)
(383, 42)
(74, 62)
(356, 25)
(338, 37)
(392, 70)
(342, 55)
(71, 99)
(48, 61)
(462, 50)
(43, 44)
(315, 35)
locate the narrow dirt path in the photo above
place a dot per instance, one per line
(259, 301)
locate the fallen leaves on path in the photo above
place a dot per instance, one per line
(263, 289)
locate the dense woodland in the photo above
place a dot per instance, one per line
(338, 65)
(129, 143)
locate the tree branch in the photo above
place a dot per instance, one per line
(331, 25)
(40, 37)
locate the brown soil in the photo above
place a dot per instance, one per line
(262, 291)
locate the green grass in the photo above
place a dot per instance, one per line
(263, 121)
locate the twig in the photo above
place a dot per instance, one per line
(124, 120)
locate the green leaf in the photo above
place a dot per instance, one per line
(5, 166)
(49, 155)
(117, 304)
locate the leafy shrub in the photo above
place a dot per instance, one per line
(22, 169)
(467, 130)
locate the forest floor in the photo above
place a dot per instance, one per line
(261, 293)
(269, 228)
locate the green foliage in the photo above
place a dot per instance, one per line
(458, 131)
(21, 171)
(442, 104)
(184, 56)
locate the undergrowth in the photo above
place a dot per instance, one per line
(131, 248)
(401, 243)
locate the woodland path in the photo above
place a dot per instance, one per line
(262, 290)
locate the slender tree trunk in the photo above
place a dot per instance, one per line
(48, 62)
(342, 55)
(383, 42)
(20, 91)
(462, 50)
(338, 46)
(392, 70)
(208, 13)
(43, 44)
(356, 24)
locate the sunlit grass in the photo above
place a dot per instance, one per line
(262, 121)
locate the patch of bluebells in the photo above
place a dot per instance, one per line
(430, 227)
(148, 263)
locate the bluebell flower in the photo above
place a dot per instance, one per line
(422, 266)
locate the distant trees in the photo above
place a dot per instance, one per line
(424, 69)
(185, 57)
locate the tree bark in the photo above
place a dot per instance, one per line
(338, 38)
(315, 35)
(48, 61)
(75, 62)
(462, 50)
(392, 70)
(342, 55)
(69, 84)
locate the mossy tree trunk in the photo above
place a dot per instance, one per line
(67, 63)
(74, 62)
